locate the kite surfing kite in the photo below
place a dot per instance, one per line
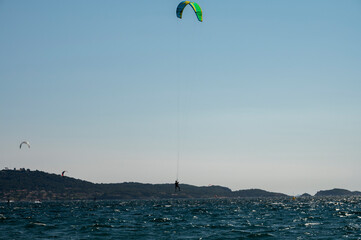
(26, 143)
(62, 174)
(196, 8)
(198, 11)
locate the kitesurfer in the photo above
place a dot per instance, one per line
(176, 185)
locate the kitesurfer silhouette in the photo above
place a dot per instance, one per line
(176, 185)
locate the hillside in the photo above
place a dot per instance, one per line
(337, 192)
(26, 185)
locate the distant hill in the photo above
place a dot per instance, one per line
(257, 193)
(26, 185)
(305, 195)
(337, 192)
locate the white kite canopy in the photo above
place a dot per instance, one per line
(25, 142)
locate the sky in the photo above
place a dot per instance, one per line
(261, 94)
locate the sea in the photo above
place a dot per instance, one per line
(302, 218)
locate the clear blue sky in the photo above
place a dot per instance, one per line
(270, 92)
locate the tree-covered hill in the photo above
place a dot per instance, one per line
(26, 185)
(337, 192)
(256, 193)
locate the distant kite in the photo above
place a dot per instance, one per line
(25, 142)
(62, 174)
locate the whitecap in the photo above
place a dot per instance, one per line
(39, 224)
(312, 224)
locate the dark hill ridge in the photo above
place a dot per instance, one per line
(337, 192)
(305, 195)
(256, 193)
(26, 185)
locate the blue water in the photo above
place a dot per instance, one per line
(314, 218)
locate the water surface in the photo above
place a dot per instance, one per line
(311, 218)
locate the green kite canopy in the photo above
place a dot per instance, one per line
(196, 8)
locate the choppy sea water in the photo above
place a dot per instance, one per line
(313, 218)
